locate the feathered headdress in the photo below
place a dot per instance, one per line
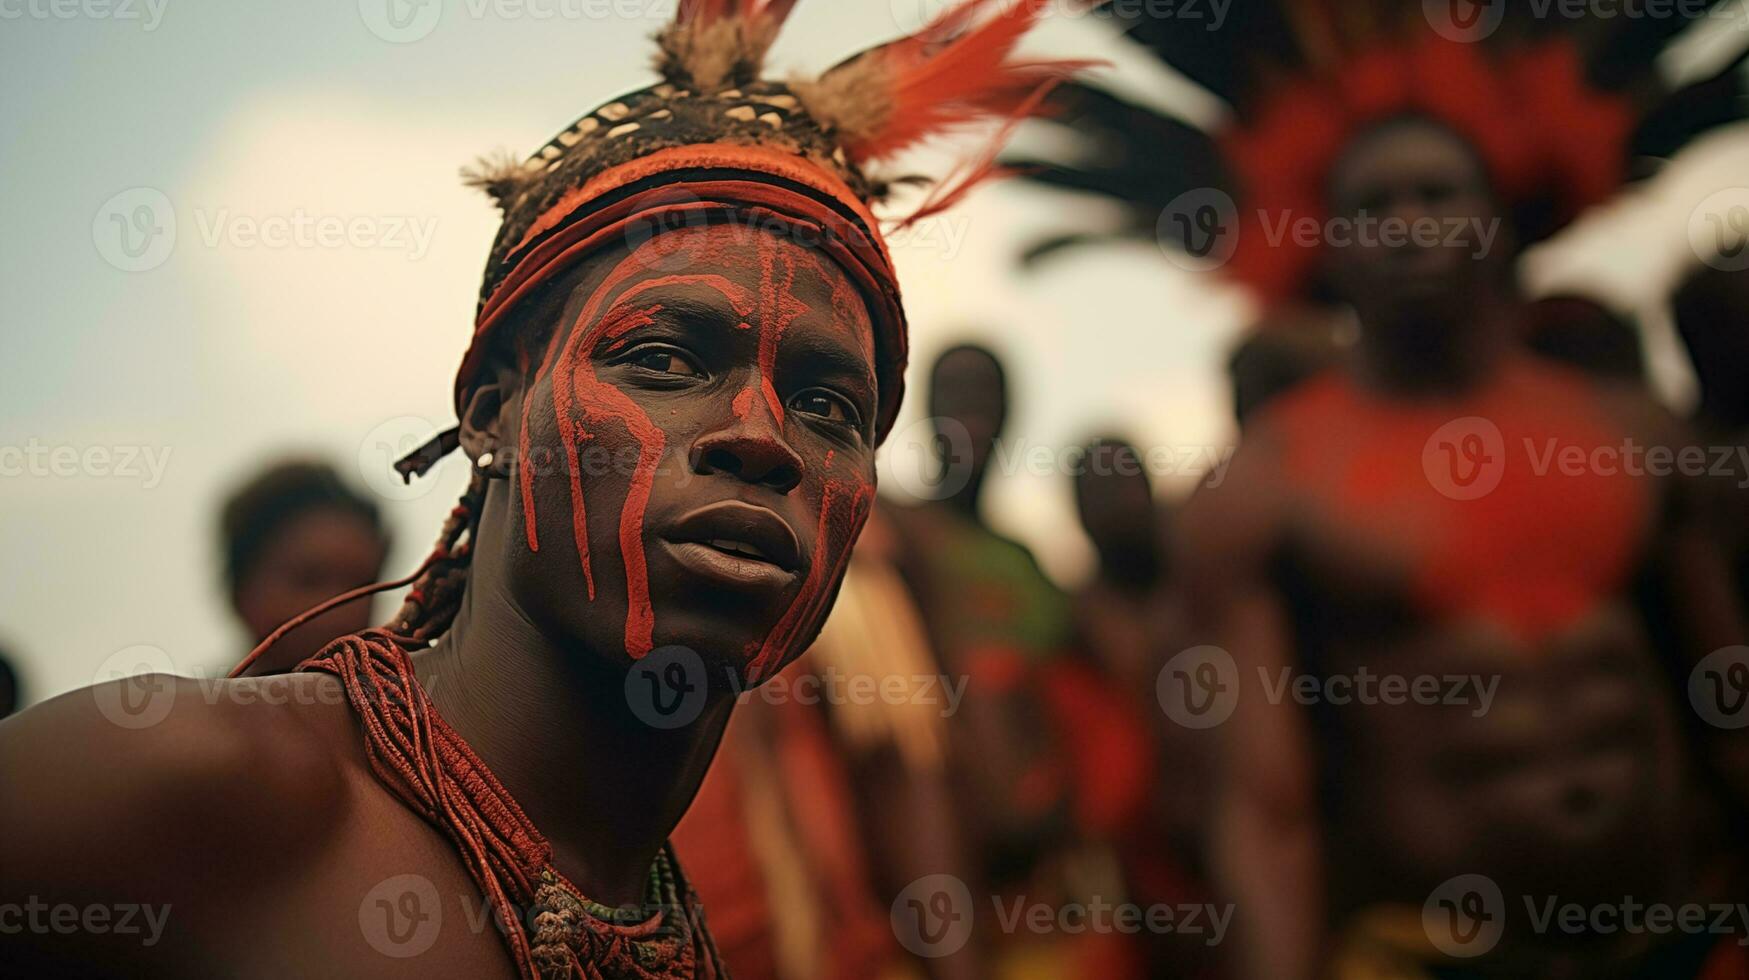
(1557, 107)
(714, 135)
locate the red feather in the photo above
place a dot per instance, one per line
(951, 74)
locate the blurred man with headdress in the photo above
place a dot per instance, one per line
(689, 343)
(1390, 520)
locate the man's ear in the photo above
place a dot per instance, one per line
(487, 419)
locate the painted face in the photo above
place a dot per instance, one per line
(698, 448)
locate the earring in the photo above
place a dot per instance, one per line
(485, 461)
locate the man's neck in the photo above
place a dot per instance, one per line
(964, 502)
(602, 786)
(1439, 353)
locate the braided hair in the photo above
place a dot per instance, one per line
(436, 595)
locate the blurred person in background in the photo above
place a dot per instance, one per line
(1388, 518)
(294, 535)
(1711, 311)
(1344, 541)
(1124, 620)
(1044, 769)
(1115, 609)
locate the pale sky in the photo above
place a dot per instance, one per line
(318, 287)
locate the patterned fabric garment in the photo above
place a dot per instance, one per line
(420, 759)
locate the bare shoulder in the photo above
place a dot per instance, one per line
(165, 779)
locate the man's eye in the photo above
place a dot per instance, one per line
(826, 405)
(663, 360)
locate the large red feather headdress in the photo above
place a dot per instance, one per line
(1558, 107)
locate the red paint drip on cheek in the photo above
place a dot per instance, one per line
(844, 508)
(525, 471)
(602, 400)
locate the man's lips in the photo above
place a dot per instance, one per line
(737, 543)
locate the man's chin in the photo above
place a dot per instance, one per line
(728, 646)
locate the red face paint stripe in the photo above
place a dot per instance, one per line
(525, 474)
(602, 399)
(812, 596)
(571, 434)
(614, 325)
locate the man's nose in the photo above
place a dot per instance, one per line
(750, 445)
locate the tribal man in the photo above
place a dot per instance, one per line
(688, 345)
